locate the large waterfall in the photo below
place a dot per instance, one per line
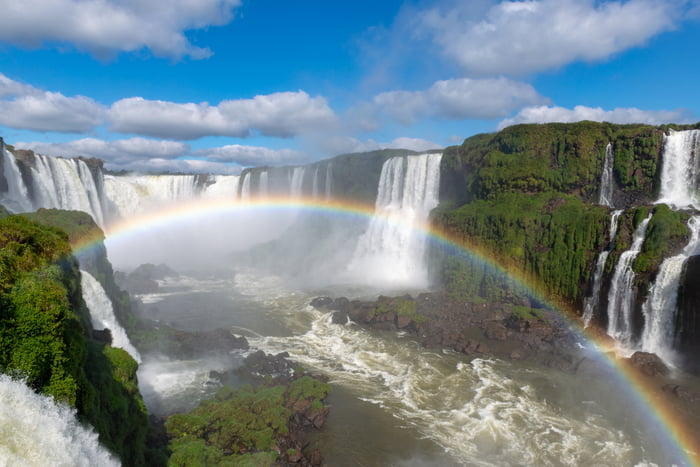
(606, 179)
(681, 169)
(392, 249)
(35, 430)
(660, 306)
(52, 182)
(591, 303)
(102, 313)
(622, 290)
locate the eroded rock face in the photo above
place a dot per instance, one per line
(688, 317)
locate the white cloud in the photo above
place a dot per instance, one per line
(184, 166)
(333, 146)
(120, 154)
(519, 37)
(282, 114)
(109, 26)
(25, 107)
(459, 99)
(545, 114)
(253, 155)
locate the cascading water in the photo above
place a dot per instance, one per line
(329, 180)
(66, 184)
(16, 198)
(35, 430)
(222, 187)
(392, 249)
(622, 290)
(314, 184)
(660, 307)
(264, 184)
(102, 313)
(606, 179)
(681, 169)
(297, 182)
(591, 303)
(245, 187)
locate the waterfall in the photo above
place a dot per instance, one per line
(35, 430)
(102, 313)
(392, 249)
(245, 187)
(622, 290)
(591, 303)
(16, 198)
(314, 184)
(606, 179)
(264, 184)
(134, 194)
(681, 169)
(329, 180)
(660, 307)
(297, 182)
(66, 184)
(223, 187)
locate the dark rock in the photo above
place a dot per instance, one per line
(403, 321)
(649, 364)
(339, 317)
(495, 331)
(104, 336)
(322, 303)
(260, 365)
(684, 394)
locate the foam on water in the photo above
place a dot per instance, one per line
(474, 410)
(36, 431)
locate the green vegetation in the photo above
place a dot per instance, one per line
(243, 426)
(552, 238)
(398, 305)
(45, 337)
(525, 198)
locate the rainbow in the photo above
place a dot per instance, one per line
(675, 432)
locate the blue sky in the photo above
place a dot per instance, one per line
(215, 85)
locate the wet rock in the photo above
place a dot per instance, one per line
(339, 317)
(495, 331)
(104, 336)
(649, 364)
(682, 393)
(322, 303)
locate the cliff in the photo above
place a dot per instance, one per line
(47, 337)
(527, 198)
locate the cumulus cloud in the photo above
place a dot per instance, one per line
(120, 154)
(109, 26)
(25, 107)
(184, 166)
(282, 114)
(519, 37)
(458, 99)
(545, 114)
(253, 155)
(346, 144)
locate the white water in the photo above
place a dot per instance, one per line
(135, 194)
(591, 303)
(392, 250)
(660, 307)
(622, 290)
(264, 186)
(329, 180)
(102, 313)
(297, 182)
(245, 187)
(66, 184)
(314, 184)
(17, 197)
(681, 168)
(35, 431)
(222, 187)
(606, 178)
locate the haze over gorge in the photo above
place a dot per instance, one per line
(527, 297)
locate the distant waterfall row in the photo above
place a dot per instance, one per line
(33, 181)
(679, 188)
